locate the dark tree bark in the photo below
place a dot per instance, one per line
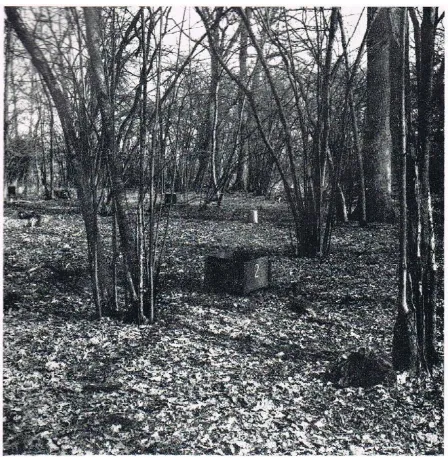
(378, 139)
(7, 64)
(404, 346)
(395, 96)
(425, 112)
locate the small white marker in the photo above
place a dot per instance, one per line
(254, 216)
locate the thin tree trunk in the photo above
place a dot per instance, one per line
(96, 279)
(404, 346)
(152, 242)
(323, 154)
(98, 266)
(92, 18)
(356, 139)
(208, 134)
(242, 164)
(115, 254)
(140, 305)
(141, 264)
(51, 149)
(214, 112)
(341, 209)
(51, 155)
(214, 129)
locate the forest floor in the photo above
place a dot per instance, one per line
(217, 373)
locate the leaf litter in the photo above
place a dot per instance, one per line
(218, 373)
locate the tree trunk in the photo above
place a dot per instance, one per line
(6, 70)
(143, 257)
(421, 280)
(242, 173)
(202, 147)
(424, 132)
(354, 120)
(51, 158)
(208, 133)
(404, 345)
(395, 77)
(214, 100)
(378, 140)
(93, 39)
(324, 151)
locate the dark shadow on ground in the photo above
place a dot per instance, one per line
(43, 207)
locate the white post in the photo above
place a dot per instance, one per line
(254, 216)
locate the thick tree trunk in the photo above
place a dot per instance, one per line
(378, 139)
(394, 67)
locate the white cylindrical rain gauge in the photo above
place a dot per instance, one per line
(254, 216)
